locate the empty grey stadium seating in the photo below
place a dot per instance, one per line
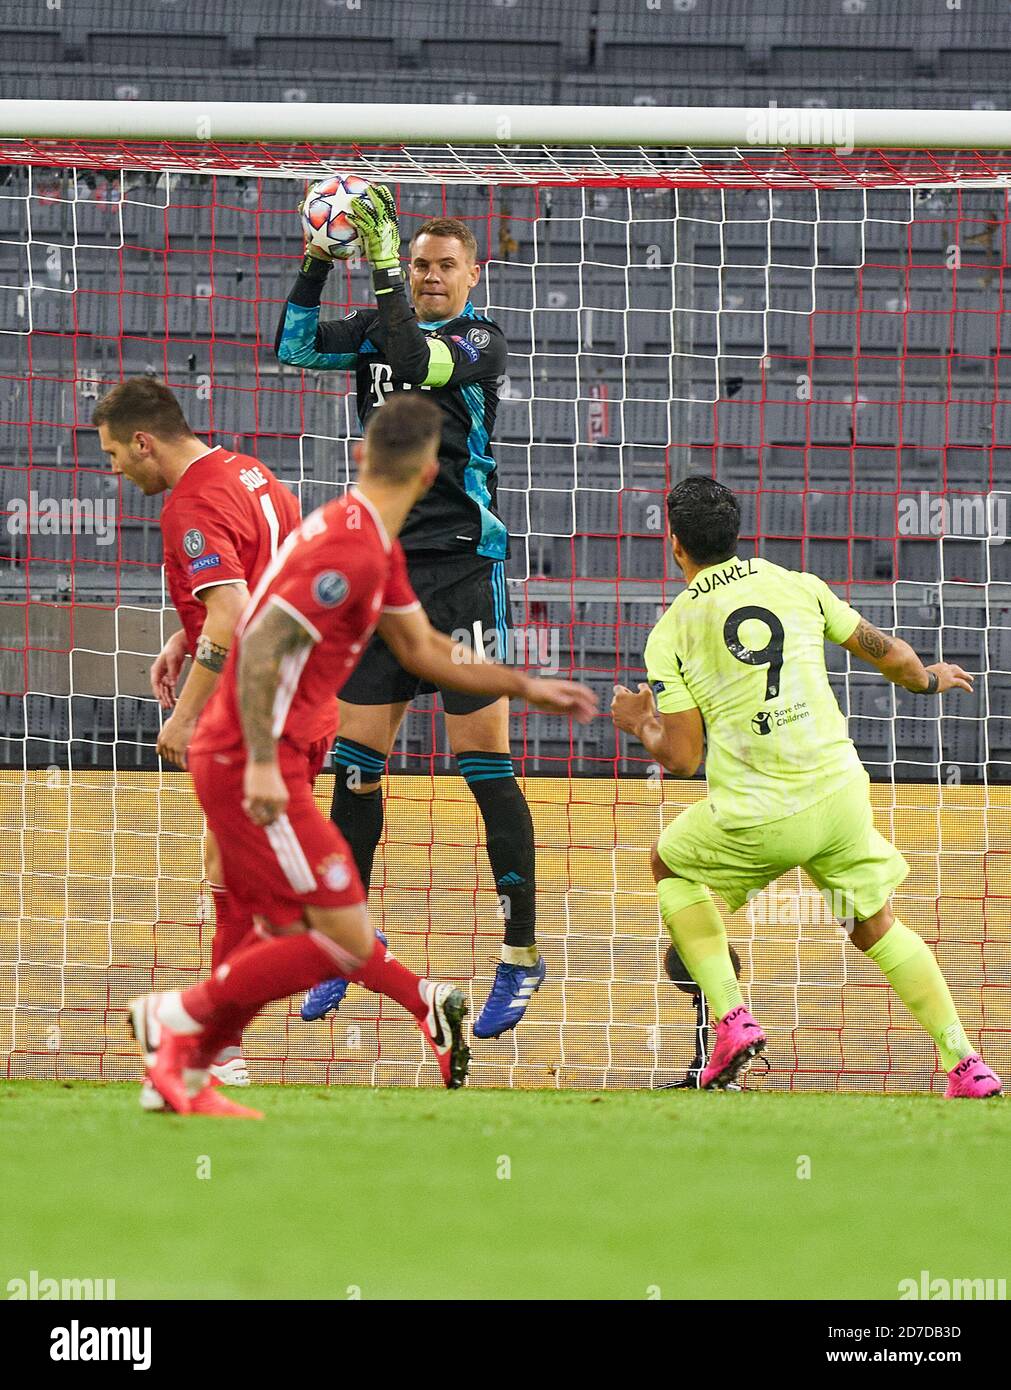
(526, 35)
(819, 478)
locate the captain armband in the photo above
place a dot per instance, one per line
(210, 654)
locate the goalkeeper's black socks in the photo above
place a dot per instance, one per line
(509, 837)
(358, 815)
(509, 830)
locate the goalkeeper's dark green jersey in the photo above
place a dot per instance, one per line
(387, 349)
(745, 644)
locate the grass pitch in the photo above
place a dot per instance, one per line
(496, 1194)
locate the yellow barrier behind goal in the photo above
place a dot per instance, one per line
(101, 898)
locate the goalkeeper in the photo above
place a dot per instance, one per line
(739, 658)
(456, 545)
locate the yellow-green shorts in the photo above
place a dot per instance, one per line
(834, 842)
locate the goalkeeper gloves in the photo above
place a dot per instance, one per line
(374, 218)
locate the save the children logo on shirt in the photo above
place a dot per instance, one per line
(768, 719)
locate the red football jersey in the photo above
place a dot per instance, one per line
(222, 522)
(336, 574)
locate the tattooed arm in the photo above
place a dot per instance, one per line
(270, 640)
(899, 664)
(224, 604)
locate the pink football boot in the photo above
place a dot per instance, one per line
(210, 1101)
(738, 1038)
(169, 1058)
(972, 1079)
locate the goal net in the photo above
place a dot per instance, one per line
(826, 332)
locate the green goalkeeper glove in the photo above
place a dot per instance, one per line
(374, 218)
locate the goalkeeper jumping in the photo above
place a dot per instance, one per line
(456, 545)
(739, 658)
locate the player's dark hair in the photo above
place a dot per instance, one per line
(448, 226)
(706, 518)
(141, 403)
(397, 433)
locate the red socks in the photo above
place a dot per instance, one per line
(382, 973)
(285, 965)
(232, 924)
(269, 970)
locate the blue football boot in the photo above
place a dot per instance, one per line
(514, 987)
(326, 997)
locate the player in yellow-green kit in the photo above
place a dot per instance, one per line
(738, 663)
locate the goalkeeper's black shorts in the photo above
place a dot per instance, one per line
(465, 597)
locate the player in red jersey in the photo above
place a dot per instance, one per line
(339, 578)
(222, 522)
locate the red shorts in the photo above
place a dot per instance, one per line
(316, 756)
(278, 870)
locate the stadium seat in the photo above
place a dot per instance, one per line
(47, 724)
(584, 324)
(927, 327)
(919, 560)
(835, 323)
(30, 34)
(143, 315)
(679, 38)
(551, 421)
(556, 330)
(782, 514)
(999, 648)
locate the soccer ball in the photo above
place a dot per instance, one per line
(677, 972)
(324, 215)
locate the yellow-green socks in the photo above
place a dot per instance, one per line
(696, 928)
(909, 966)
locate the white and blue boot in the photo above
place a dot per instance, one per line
(327, 996)
(512, 991)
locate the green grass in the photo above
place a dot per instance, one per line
(396, 1193)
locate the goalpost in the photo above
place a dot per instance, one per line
(808, 305)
